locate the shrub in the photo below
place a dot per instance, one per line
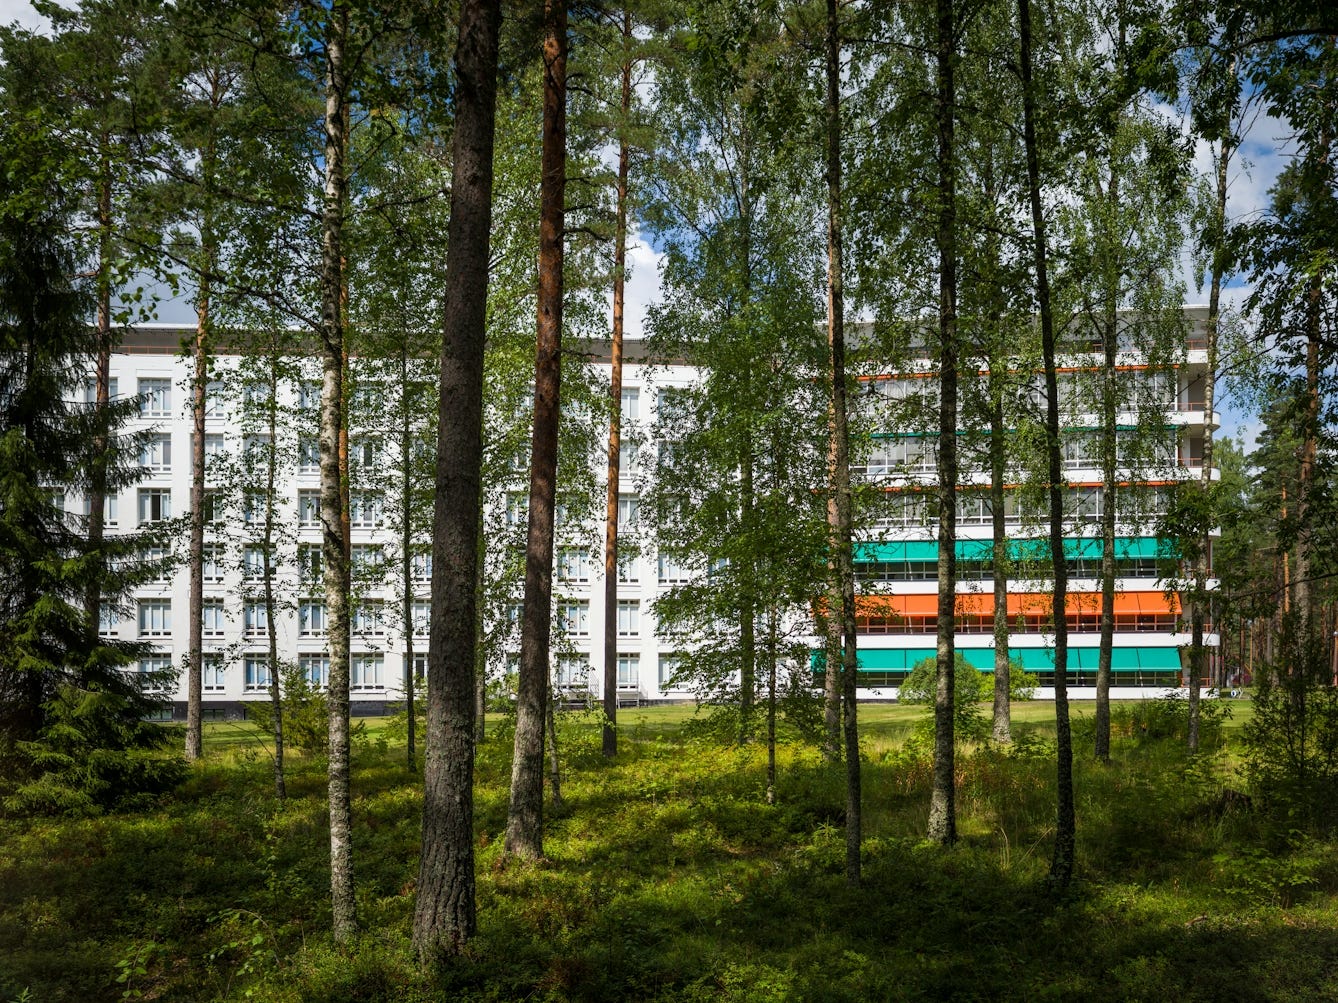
(970, 685)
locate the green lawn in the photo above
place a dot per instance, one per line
(669, 878)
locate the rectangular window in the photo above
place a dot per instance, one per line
(365, 452)
(671, 569)
(253, 508)
(631, 404)
(629, 459)
(310, 564)
(308, 509)
(517, 509)
(253, 563)
(108, 620)
(214, 619)
(111, 509)
(212, 570)
(422, 618)
(315, 669)
(156, 453)
(155, 398)
(420, 567)
(255, 451)
(629, 618)
(255, 393)
(155, 504)
(369, 619)
(573, 671)
(91, 390)
(629, 511)
(575, 618)
(255, 622)
(214, 447)
(213, 672)
(156, 561)
(573, 565)
(628, 574)
(365, 511)
(255, 673)
(309, 395)
(366, 558)
(155, 673)
(365, 672)
(211, 509)
(308, 455)
(213, 399)
(669, 665)
(155, 618)
(671, 406)
(629, 671)
(311, 618)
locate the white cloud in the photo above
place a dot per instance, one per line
(22, 12)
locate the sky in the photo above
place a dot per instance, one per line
(1263, 155)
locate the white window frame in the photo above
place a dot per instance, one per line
(316, 669)
(213, 673)
(629, 670)
(155, 453)
(311, 621)
(575, 618)
(151, 499)
(155, 397)
(629, 618)
(367, 672)
(255, 673)
(255, 623)
(308, 508)
(213, 618)
(155, 618)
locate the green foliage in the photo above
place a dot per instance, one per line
(1291, 743)
(1168, 718)
(306, 714)
(671, 879)
(971, 686)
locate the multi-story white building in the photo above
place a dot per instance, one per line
(896, 565)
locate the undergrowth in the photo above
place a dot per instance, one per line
(669, 878)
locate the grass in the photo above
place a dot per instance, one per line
(669, 878)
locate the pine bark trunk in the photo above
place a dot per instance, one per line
(1061, 864)
(610, 729)
(524, 832)
(332, 435)
(942, 801)
(444, 915)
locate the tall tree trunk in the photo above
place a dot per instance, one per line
(267, 552)
(199, 388)
(1201, 566)
(444, 916)
(554, 765)
(1002, 729)
(1109, 459)
(333, 520)
(1061, 865)
(406, 561)
(839, 505)
(771, 704)
(610, 733)
(97, 475)
(942, 801)
(524, 831)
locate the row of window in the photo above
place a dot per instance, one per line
(368, 619)
(1083, 504)
(575, 617)
(573, 671)
(927, 571)
(1080, 451)
(366, 672)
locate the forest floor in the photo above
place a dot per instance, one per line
(669, 877)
